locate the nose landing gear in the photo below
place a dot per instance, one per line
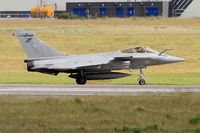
(141, 78)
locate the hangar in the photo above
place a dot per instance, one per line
(118, 8)
(128, 8)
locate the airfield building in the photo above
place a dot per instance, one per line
(105, 8)
(128, 8)
(118, 8)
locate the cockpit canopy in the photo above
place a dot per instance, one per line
(138, 50)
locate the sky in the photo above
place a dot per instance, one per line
(25, 5)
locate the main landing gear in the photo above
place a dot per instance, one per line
(81, 80)
(141, 78)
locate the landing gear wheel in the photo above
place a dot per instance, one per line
(141, 78)
(81, 80)
(142, 82)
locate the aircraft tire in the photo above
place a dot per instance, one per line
(142, 82)
(81, 80)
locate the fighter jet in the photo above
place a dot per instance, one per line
(45, 59)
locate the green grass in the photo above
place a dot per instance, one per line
(177, 113)
(195, 120)
(102, 35)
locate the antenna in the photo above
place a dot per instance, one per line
(164, 51)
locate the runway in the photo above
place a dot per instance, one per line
(63, 90)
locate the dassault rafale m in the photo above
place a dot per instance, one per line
(44, 59)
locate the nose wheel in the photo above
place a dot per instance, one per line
(142, 82)
(141, 78)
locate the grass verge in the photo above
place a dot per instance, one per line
(114, 114)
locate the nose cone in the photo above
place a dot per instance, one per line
(173, 59)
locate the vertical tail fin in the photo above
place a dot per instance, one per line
(33, 47)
